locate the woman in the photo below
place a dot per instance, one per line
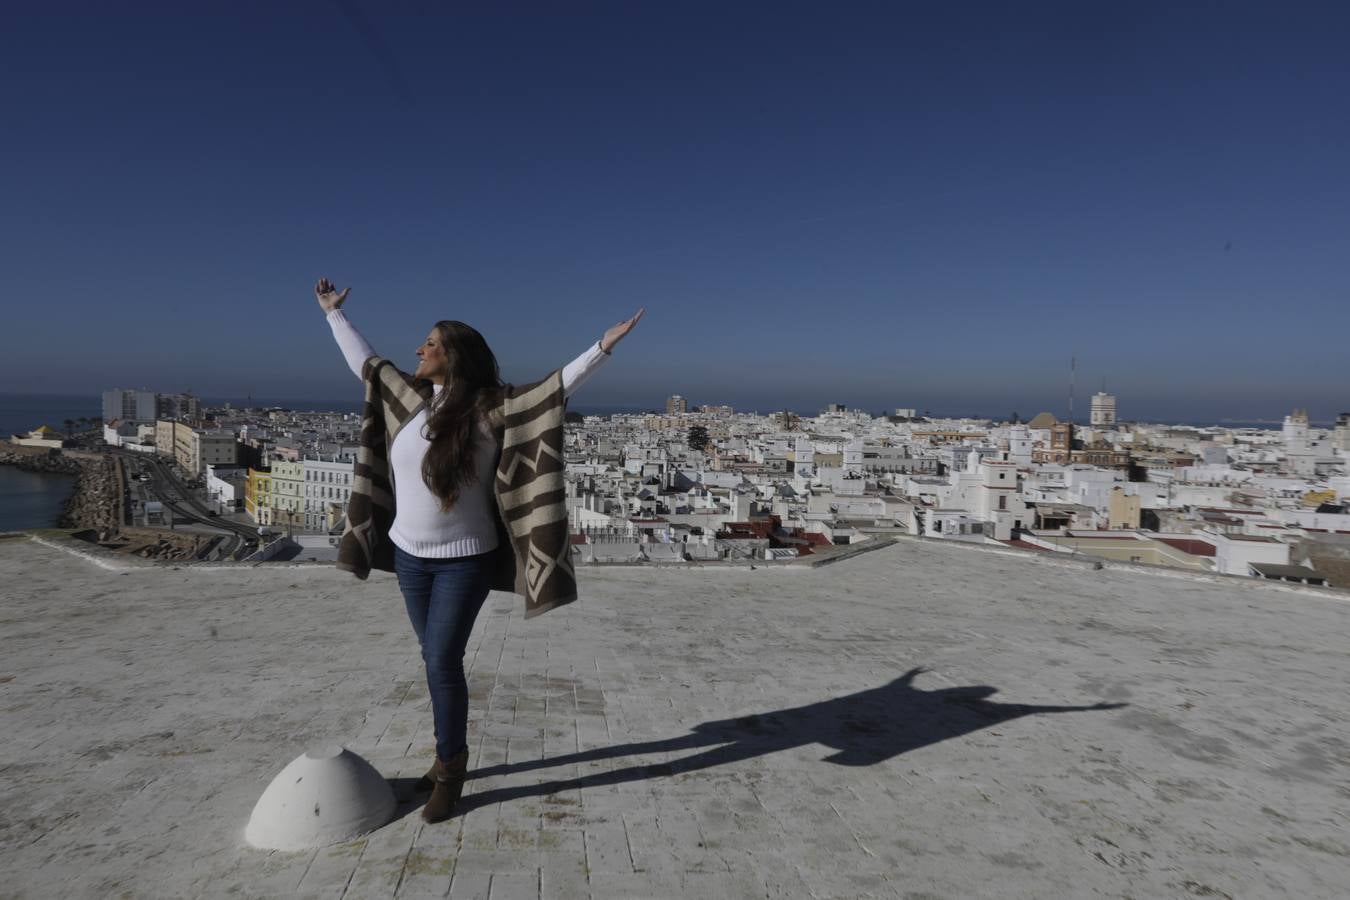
(460, 476)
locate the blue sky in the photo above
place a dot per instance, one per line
(883, 205)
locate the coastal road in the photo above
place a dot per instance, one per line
(178, 498)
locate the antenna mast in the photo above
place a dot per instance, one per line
(1073, 374)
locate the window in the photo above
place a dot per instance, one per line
(1002, 501)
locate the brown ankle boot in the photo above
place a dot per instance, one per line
(447, 784)
(427, 781)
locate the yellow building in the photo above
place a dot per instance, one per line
(164, 431)
(1123, 511)
(258, 495)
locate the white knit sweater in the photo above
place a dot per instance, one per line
(420, 528)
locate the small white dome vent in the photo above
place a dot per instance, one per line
(325, 796)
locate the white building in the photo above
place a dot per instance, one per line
(178, 406)
(1212, 454)
(1296, 432)
(1341, 485)
(1233, 553)
(209, 448)
(225, 486)
(328, 485)
(1076, 483)
(128, 405)
(841, 481)
(1340, 435)
(998, 502)
(853, 457)
(1103, 410)
(42, 436)
(129, 435)
(954, 524)
(985, 490)
(1019, 445)
(803, 457)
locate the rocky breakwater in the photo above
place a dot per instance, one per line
(96, 502)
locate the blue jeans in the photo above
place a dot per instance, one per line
(443, 597)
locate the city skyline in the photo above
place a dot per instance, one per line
(876, 206)
(24, 417)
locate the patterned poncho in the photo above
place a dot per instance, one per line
(533, 555)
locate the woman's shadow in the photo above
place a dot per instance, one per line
(862, 729)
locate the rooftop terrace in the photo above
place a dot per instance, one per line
(923, 721)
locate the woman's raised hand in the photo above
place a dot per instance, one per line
(328, 296)
(617, 332)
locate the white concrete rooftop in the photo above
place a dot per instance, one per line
(923, 721)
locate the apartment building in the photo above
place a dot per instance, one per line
(258, 495)
(288, 494)
(327, 486)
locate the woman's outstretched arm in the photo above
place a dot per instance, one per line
(354, 348)
(576, 372)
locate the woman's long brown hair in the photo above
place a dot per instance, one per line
(472, 388)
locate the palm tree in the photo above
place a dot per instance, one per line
(70, 426)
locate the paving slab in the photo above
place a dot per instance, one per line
(920, 721)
